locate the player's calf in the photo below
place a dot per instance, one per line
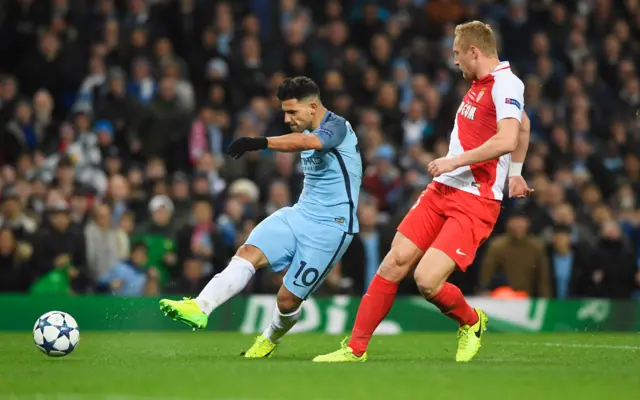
(377, 302)
(287, 301)
(285, 315)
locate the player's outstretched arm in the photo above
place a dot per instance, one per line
(294, 142)
(503, 142)
(290, 142)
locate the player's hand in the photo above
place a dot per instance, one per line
(518, 187)
(441, 166)
(244, 144)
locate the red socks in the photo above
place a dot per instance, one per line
(375, 305)
(451, 303)
(377, 302)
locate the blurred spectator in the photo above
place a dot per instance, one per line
(163, 133)
(8, 98)
(569, 263)
(23, 135)
(79, 209)
(383, 180)
(192, 280)
(131, 277)
(122, 110)
(58, 248)
(159, 236)
(517, 260)
(105, 245)
(14, 263)
(142, 86)
(279, 197)
(201, 239)
(117, 195)
(614, 272)
(12, 217)
(181, 197)
(367, 250)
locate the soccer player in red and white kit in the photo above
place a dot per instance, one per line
(458, 210)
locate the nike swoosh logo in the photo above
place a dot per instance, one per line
(297, 284)
(460, 252)
(479, 331)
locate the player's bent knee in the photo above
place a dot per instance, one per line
(252, 254)
(393, 268)
(428, 284)
(432, 272)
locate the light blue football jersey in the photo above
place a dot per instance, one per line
(332, 176)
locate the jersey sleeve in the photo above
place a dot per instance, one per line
(508, 97)
(331, 134)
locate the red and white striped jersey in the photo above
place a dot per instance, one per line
(492, 98)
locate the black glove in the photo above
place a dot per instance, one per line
(244, 144)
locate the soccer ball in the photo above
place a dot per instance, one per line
(56, 334)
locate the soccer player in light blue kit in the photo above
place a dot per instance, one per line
(309, 237)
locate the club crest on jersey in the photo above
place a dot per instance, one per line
(467, 110)
(513, 102)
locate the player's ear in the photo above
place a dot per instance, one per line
(474, 52)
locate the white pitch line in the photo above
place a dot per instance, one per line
(577, 345)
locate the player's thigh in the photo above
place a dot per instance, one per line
(424, 220)
(464, 232)
(312, 264)
(401, 258)
(275, 238)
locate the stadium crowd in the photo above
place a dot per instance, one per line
(115, 114)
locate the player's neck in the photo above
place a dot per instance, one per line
(322, 111)
(487, 66)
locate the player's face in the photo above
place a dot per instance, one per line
(465, 60)
(298, 114)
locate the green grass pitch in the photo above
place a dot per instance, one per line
(130, 366)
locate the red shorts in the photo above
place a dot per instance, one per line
(450, 220)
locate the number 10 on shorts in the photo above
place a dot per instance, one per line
(305, 276)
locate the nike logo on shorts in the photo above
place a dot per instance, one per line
(458, 251)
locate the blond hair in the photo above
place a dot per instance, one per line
(477, 34)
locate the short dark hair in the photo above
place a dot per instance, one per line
(297, 88)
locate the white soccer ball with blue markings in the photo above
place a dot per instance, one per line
(56, 333)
